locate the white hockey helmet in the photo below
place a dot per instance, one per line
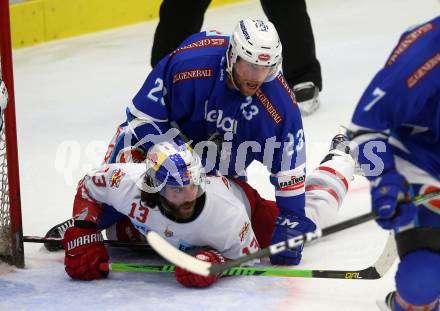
(173, 165)
(256, 42)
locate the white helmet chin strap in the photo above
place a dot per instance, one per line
(229, 65)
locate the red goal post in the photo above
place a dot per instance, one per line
(11, 233)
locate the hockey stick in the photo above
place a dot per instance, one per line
(115, 243)
(183, 260)
(376, 271)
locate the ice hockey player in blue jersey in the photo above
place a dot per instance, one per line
(396, 125)
(227, 92)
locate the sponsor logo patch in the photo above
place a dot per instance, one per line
(270, 108)
(168, 233)
(192, 74)
(286, 87)
(202, 43)
(264, 57)
(244, 231)
(423, 70)
(293, 183)
(408, 40)
(116, 178)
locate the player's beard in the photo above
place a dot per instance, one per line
(245, 86)
(248, 88)
(181, 211)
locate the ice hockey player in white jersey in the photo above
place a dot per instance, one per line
(214, 218)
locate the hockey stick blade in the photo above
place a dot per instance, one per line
(376, 271)
(181, 259)
(177, 257)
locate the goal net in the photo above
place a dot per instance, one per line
(11, 236)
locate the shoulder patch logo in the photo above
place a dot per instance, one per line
(202, 43)
(192, 74)
(244, 231)
(423, 70)
(116, 178)
(408, 40)
(286, 87)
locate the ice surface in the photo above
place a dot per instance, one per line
(70, 97)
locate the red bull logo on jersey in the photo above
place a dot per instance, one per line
(423, 70)
(192, 74)
(116, 178)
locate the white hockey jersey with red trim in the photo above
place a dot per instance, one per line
(223, 224)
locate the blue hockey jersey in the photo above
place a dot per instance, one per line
(401, 106)
(188, 90)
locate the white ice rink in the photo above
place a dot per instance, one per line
(70, 97)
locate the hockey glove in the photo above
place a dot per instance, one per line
(189, 279)
(85, 250)
(386, 193)
(288, 226)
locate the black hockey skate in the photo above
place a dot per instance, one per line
(307, 97)
(57, 232)
(338, 146)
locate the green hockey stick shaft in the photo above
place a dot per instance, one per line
(376, 271)
(171, 254)
(251, 271)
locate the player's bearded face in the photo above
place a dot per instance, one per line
(249, 77)
(181, 200)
